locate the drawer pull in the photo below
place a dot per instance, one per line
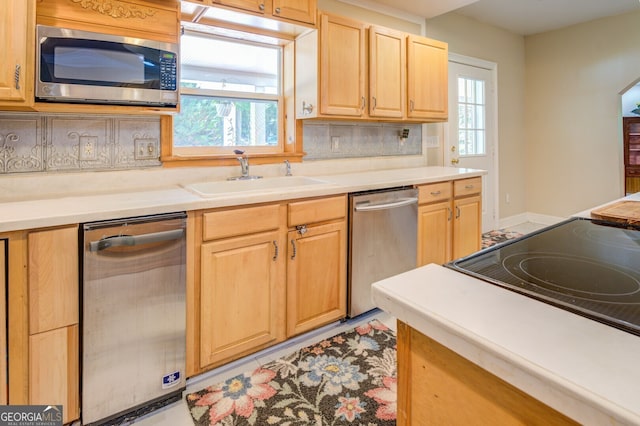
(468, 187)
(436, 193)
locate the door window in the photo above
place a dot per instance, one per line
(471, 117)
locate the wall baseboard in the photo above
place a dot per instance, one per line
(529, 217)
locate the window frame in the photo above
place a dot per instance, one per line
(289, 146)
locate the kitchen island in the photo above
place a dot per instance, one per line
(472, 352)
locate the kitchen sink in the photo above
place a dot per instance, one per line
(216, 188)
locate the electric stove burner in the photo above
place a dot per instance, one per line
(578, 277)
(591, 268)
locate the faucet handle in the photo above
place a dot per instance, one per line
(238, 151)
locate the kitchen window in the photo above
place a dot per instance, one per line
(230, 97)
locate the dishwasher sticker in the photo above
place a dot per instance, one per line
(170, 380)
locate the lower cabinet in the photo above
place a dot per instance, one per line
(3, 321)
(433, 381)
(316, 277)
(42, 319)
(449, 220)
(263, 273)
(241, 296)
(53, 370)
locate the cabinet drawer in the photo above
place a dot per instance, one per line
(320, 210)
(464, 187)
(434, 192)
(243, 221)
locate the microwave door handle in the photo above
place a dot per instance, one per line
(386, 206)
(135, 240)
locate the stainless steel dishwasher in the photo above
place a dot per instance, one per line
(383, 239)
(133, 316)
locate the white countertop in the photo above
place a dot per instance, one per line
(582, 368)
(38, 213)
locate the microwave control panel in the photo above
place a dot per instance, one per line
(168, 71)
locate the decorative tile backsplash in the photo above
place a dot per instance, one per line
(330, 140)
(31, 142)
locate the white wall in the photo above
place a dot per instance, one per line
(471, 38)
(574, 78)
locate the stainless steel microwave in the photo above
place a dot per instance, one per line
(88, 67)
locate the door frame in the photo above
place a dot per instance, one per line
(492, 67)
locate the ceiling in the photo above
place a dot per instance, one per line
(524, 17)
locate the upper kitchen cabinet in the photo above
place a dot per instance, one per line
(296, 11)
(427, 79)
(398, 77)
(146, 19)
(17, 29)
(387, 75)
(330, 69)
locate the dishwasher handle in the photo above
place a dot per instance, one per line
(135, 240)
(386, 206)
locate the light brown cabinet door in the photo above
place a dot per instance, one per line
(387, 72)
(17, 34)
(435, 225)
(53, 370)
(250, 5)
(242, 296)
(467, 226)
(316, 277)
(342, 66)
(3, 324)
(296, 10)
(427, 78)
(53, 279)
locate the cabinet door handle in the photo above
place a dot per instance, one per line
(450, 214)
(374, 103)
(16, 76)
(411, 105)
(275, 254)
(364, 102)
(457, 212)
(293, 249)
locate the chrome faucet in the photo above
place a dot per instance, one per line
(243, 159)
(288, 168)
(244, 162)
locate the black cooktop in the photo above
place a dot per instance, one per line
(589, 267)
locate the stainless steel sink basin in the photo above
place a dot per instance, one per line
(215, 188)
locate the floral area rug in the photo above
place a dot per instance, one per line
(348, 379)
(499, 236)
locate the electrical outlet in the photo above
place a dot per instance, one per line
(88, 148)
(335, 144)
(145, 149)
(507, 198)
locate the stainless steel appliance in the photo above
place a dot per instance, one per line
(382, 241)
(83, 66)
(133, 315)
(589, 267)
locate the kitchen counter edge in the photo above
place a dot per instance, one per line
(534, 346)
(72, 209)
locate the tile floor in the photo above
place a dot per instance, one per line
(177, 414)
